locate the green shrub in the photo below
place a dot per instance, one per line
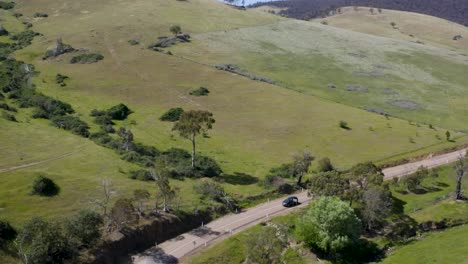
(9, 117)
(7, 5)
(179, 163)
(39, 14)
(86, 58)
(42, 242)
(3, 31)
(172, 115)
(343, 124)
(7, 232)
(24, 38)
(74, 124)
(44, 186)
(60, 79)
(175, 29)
(103, 120)
(202, 91)
(5, 50)
(84, 227)
(119, 112)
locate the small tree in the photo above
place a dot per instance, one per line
(265, 247)
(365, 174)
(344, 125)
(301, 165)
(329, 224)
(84, 227)
(377, 205)
(191, 124)
(107, 192)
(123, 214)
(141, 196)
(163, 188)
(43, 242)
(45, 186)
(460, 169)
(447, 135)
(329, 184)
(413, 181)
(175, 29)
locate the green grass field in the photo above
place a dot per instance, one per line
(437, 203)
(448, 246)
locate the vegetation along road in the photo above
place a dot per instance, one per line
(190, 242)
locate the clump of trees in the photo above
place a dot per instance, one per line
(329, 225)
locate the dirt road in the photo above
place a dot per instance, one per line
(187, 244)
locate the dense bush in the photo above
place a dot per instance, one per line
(42, 242)
(179, 162)
(47, 107)
(202, 91)
(103, 120)
(325, 165)
(5, 50)
(44, 186)
(84, 227)
(7, 5)
(172, 114)
(86, 58)
(119, 112)
(3, 31)
(7, 232)
(74, 124)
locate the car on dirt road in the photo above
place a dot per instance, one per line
(291, 201)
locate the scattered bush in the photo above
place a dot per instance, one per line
(175, 29)
(413, 181)
(202, 91)
(344, 125)
(7, 233)
(86, 58)
(44, 186)
(172, 115)
(74, 124)
(272, 181)
(286, 188)
(9, 117)
(134, 42)
(179, 163)
(7, 107)
(84, 227)
(39, 14)
(60, 79)
(103, 120)
(7, 5)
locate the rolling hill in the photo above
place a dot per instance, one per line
(258, 124)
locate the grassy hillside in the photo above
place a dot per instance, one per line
(408, 80)
(445, 247)
(409, 26)
(258, 125)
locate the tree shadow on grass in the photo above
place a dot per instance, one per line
(398, 206)
(361, 251)
(238, 178)
(441, 184)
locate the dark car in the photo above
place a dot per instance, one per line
(291, 201)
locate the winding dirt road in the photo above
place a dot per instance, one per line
(174, 250)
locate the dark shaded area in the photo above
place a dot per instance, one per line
(453, 10)
(159, 256)
(44, 186)
(238, 178)
(203, 231)
(362, 251)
